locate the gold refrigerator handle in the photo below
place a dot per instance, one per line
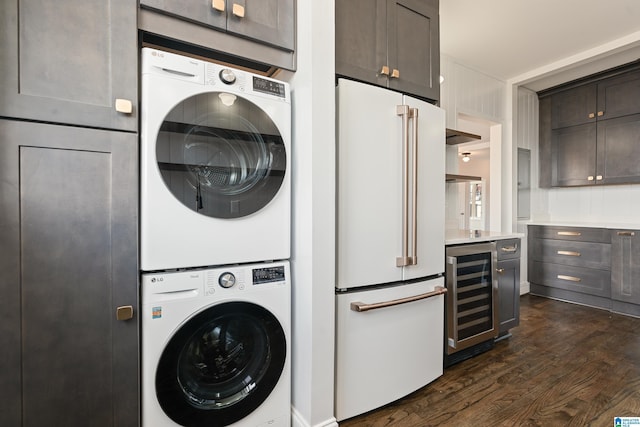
(361, 306)
(403, 110)
(413, 259)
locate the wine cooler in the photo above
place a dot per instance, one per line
(472, 321)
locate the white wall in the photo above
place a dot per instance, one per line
(466, 93)
(313, 246)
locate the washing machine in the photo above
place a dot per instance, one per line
(215, 164)
(216, 347)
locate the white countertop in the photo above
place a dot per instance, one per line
(595, 224)
(456, 237)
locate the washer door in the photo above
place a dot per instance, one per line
(221, 365)
(221, 155)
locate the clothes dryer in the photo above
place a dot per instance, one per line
(216, 347)
(215, 164)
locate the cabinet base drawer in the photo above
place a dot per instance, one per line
(576, 279)
(578, 234)
(579, 254)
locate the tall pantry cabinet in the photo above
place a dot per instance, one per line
(68, 213)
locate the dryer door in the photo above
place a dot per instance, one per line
(221, 155)
(221, 365)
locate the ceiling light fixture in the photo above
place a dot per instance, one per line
(466, 156)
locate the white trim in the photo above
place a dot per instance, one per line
(297, 420)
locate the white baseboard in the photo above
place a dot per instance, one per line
(297, 420)
(525, 288)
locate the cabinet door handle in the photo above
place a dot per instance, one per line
(569, 233)
(590, 178)
(361, 306)
(385, 70)
(238, 10)
(599, 178)
(626, 233)
(124, 106)
(569, 278)
(218, 5)
(569, 253)
(395, 74)
(124, 312)
(500, 270)
(600, 113)
(592, 115)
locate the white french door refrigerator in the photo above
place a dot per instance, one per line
(390, 245)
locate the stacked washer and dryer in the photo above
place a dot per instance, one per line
(215, 243)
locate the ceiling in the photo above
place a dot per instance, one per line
(541, 43)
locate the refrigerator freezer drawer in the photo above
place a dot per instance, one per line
(387, 351)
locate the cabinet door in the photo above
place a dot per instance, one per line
(199, 11)
(413, 47)
(361, 40)
(68, 259)
(270, 21)
(573, 155)
(573, 106)
(619, 96)
(625, 266)
(619, 150)
(508, 294)
(68, 61)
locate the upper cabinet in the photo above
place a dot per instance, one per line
(590, 130)
(261, 31)
(70, 62)
(390, 43)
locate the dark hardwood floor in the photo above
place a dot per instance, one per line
(565, 365)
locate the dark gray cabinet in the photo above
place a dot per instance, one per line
(625, 270)
(508, 269)
(390, 43)
(590, 130)
(571, 263)
(68, 269)
(70, 62)
(588, 265)
(258, 30)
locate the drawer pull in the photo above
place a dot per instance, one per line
(569, 233)
(569, 253)
(569, 278)
(626, 233)
(509, 249)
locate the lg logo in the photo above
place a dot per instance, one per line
(157, 279)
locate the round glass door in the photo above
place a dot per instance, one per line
(221, 155)
(221, 365)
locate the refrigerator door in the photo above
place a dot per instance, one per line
(369, 185)
(430, 190)
(386, 353)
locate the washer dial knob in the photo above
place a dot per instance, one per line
(227, 280)
(227, 76)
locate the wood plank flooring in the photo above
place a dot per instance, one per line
(565, 365)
